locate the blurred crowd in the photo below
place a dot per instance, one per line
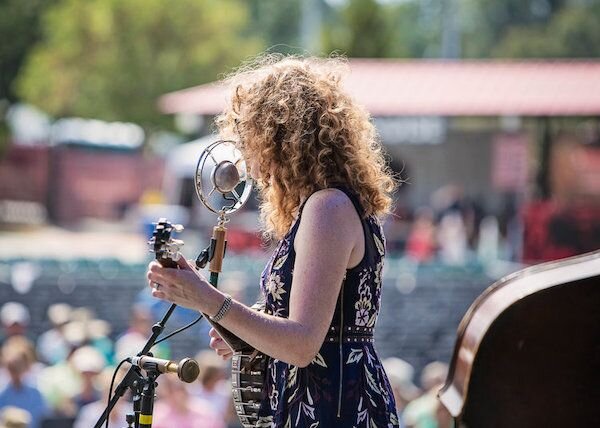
(418, 407)
(453, 230)
(61, 379)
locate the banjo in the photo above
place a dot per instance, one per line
(223, 185)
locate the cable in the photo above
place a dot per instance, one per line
(179, 330)
(112, 383)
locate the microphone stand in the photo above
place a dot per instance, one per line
(134, 379)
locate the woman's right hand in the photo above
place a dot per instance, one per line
(218, 344)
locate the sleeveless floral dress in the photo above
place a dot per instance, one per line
(345, 386)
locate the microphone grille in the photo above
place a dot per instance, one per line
(225, 176)
(188, 370)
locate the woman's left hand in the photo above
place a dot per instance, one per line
(183, 286)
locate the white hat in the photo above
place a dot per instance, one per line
(14, 313)
(434, 374)
(88, 359)
(75, 333)
(400, 374)
(59, 313)
(98, 329)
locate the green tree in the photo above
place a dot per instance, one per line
(361, 30)
(572, 33)
(486, 22)
(111, 59)
(375, 29)
(415, 28)
(278, 21)
(531, 28)
(19, 30)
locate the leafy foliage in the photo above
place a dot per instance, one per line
(531, 28)
(19, 30)
(278, 22)
(111, 59)
(363, 29)
(572, 32)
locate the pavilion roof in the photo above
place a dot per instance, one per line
(445, 88)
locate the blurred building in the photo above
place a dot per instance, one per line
(494, 130)
(81, 168)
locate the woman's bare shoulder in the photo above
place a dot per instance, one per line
(330, 202)
(329, 211)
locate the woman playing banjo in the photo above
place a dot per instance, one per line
(324, 185)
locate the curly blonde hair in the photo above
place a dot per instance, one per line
(292, 116)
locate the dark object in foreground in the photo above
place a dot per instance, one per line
(528, 350)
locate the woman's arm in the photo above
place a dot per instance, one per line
(327, 243)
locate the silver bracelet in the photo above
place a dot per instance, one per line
(224, 309)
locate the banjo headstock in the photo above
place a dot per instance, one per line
(163, 245)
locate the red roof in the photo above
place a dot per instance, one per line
(446, 88)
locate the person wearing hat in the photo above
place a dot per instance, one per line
(52, 346)
(60, 382)
(89, 362)
(67, 385)
(400, 374)
(99, 337)
(427, 411)
(15, 319)
(89, 413)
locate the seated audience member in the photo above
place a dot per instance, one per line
(213, 385)
(35, 367)
(89, 362)
(452, 239)
(90, 413)
(99, 332)
(52, 346)
(421, 244)
(15, 320)
(427, 411)
(176, 408)
(134, 339)
(61, 382)
(400, 374)
(18, 393)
